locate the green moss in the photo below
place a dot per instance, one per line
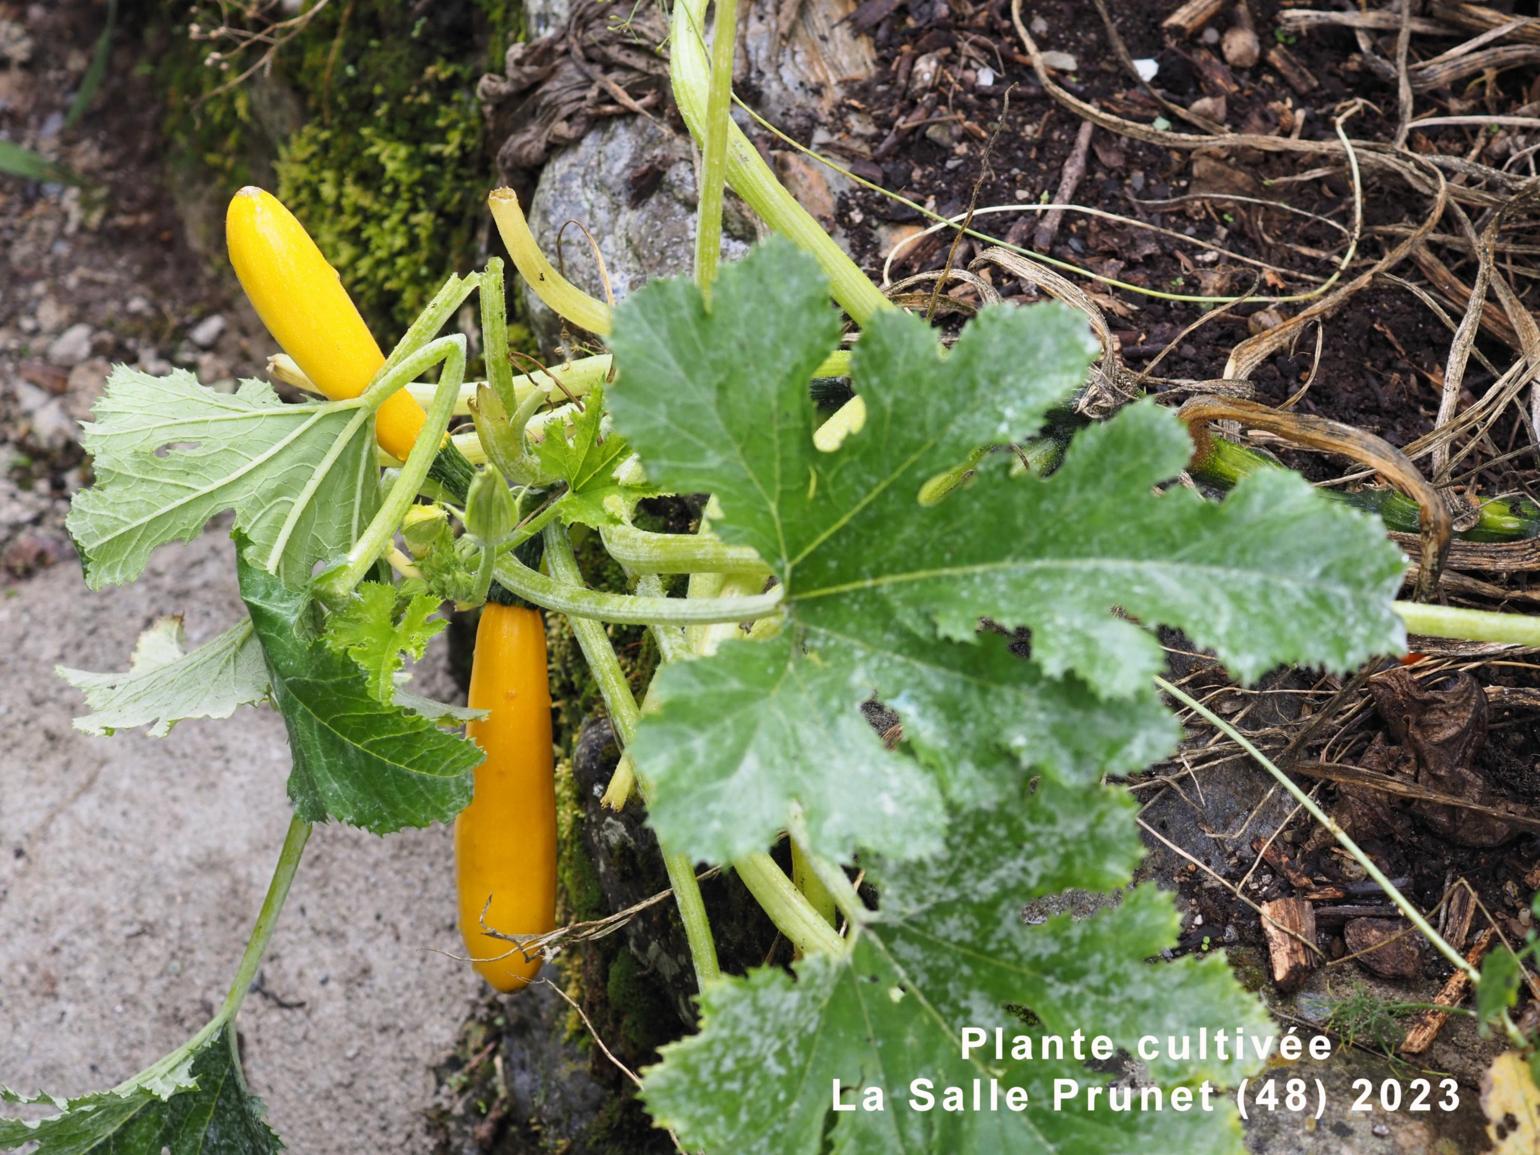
(582, 896)
(644, 1019)
(367, 125)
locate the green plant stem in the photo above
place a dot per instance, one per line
(581, 602)
(435, 314)
(692, 913)
(340, 580)
(713, 168)
(563, 298)
(594, 640)
(614, 688)
(787, 907)
(806, 879)
(494, 335)
(1412, 914)
(672, 646)
(484, 573)
(1433, 621)
(576, 378)
(1497, 519)
(643, 552)
(289, 856)
(840, 891)
(847, 419)
(750, 176)
(535, 523)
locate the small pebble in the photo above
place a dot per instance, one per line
(51, 314)
(923, 74)
(207, 331)
(71, 347)
(1213, 107)
(85, 385)
(52, 428)
(153, 363)
(1241, 48)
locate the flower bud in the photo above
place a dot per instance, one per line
(490, 509)
(423, 528)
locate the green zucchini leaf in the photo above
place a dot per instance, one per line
(580, 451)
(356, 759)
(193, 1102)
(169, 454)
(948, 950)
(884, 594)
(378, 627)
(166, 684)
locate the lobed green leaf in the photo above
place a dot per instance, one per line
(356, 759)
(884, 595)
(381, 625)
(949, 950)
(169, 454)
(198, 1104)
(165, 684)
(581, 452)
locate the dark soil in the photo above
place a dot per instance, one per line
(1008, 143)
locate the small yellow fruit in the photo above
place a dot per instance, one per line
(301, 300)
(505, 840)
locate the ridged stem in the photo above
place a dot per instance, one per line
(610, 677)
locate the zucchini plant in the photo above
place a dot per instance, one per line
(831, 569)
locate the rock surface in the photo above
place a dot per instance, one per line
(631, 183)
(131, 868)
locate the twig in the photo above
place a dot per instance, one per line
(1190, 18)
(1426, 1026)
(1403, 79)
(1069, 181)
(549, 944)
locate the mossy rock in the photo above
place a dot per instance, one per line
(366, 124)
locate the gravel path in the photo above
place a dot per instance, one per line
(131, 867)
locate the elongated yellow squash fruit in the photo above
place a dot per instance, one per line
(301, 300)
(505, 840)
